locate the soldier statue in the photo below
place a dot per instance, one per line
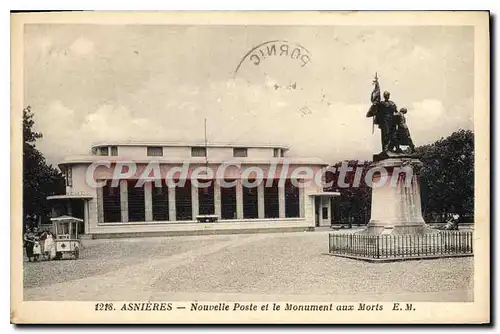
(401, 135)
(382, 113)
(392, 124)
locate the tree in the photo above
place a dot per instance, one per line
(447, 175)
(354, 203)
(39, 179)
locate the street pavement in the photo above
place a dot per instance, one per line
(260, 267)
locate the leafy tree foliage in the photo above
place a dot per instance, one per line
(39, 179)
(447, 177)
(354, 203)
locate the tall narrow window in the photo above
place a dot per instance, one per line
(276, 152)
(198, 152)
(68, 174)
(159, 198)
(292, 200)
(155, 151)
(250, 201)
(136, 205)
(271, 200)
(228, 201)
(240, 152)
(206, 198)
(111, 203)
(114, 150)
(183, 208)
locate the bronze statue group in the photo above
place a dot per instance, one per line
(392, 123)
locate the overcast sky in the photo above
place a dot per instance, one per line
(90, 83)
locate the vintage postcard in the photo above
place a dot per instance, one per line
(250, 167)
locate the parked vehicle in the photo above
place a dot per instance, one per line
(66, 240)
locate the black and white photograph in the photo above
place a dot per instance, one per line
(283, 167)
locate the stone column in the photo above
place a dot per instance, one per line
(171, 204)
(260, 200)
(302, 203)
(281, 199)
(217, 199)
(148, 201)
(100, 206)
(239, 199)
(331, 210)
(194, 201)
(86, 216)
(124, 200)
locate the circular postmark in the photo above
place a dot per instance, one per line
(283, 68)
(275, 49)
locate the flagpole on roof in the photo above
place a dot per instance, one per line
(206, 145)
(206, 153)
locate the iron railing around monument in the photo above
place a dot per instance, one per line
(439, 244)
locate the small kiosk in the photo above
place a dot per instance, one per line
(66, 241)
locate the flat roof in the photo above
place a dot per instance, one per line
(194, 144)
(84, 159)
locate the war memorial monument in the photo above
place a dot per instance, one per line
(397, 230)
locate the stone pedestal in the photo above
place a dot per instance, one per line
(396, 206)
(396, 230)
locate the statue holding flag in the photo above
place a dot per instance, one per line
(383, 113)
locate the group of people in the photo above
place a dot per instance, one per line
(39, 244)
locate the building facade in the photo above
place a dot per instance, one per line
(131, 189)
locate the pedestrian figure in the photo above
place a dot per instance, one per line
(29, 243)
(37, 249)
(43, 235)
(49, 247)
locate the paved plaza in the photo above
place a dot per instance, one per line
(260, 267)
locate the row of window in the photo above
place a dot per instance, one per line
(111, 202)
(106, 150)
(157, 151)
(197, 151)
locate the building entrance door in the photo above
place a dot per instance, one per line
(317, 213)
(78, 208)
